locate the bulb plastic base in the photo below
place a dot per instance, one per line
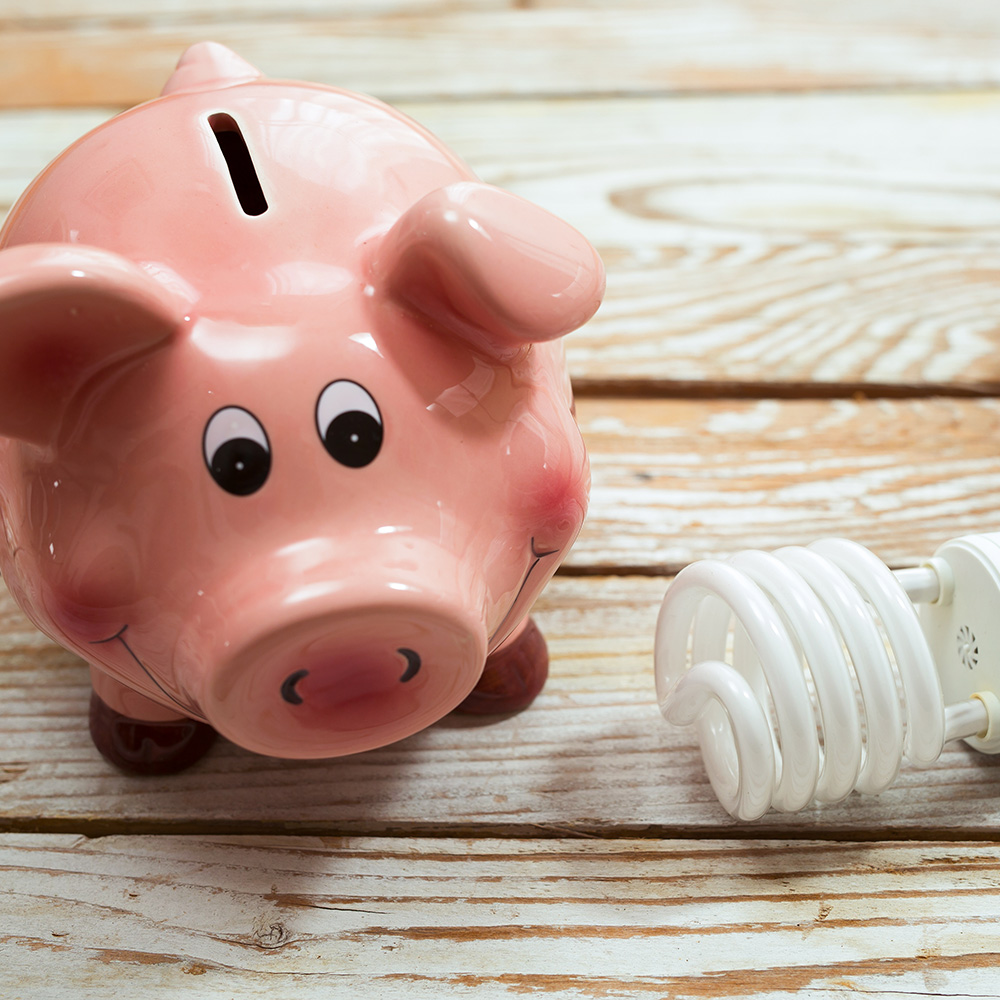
(962, 629)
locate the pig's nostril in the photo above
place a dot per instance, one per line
(288, 691)
(412, 664)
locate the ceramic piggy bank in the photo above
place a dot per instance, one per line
(287, 437)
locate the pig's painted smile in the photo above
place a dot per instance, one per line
(119, 636)
(538, 556)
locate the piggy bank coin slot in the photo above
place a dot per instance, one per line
(242, 172)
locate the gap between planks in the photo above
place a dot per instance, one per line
(585, 387)
(744, 833)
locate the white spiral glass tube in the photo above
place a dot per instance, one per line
(805, 673)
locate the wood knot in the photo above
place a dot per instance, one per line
(269, 932)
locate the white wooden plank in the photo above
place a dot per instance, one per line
(300, 917)
(701, 173)
(678, 480)
(591, 756)
(70, 52)
(805, 240)
(673, 481)
(816, 239)
(810, 314)
(81, 13)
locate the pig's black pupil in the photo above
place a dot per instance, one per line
(240, 466)
(353, 438)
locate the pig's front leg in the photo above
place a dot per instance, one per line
(139, 735)
(514, 674)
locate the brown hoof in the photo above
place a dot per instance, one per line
(513, 677)
(140, 747)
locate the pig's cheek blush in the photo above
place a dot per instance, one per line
(560, 510)
(547, 484)
(95, 591)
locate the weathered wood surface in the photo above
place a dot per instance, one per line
(592, 756)
(108, 51)
(255, 917)
(676, 480)
(798, 203)
(859, 245)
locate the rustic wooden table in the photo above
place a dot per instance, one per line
(798, 203)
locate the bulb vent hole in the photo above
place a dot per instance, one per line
(968, 647)
(242, 172)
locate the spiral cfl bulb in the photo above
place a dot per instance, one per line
(809, 673)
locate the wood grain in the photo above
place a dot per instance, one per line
(676, 480)
(811, 318)
(592, 756)
(303, 917)
(798, 203)
(859, 246)
(106, 51)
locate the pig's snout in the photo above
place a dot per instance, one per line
(318, 676)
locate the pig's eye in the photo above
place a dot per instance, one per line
(237, 452)
(349, 423)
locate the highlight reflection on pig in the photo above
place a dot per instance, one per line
(288, 449)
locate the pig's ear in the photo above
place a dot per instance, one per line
(490, 267)
(209, 66)
(66, 313)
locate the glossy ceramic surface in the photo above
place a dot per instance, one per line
(288, 443)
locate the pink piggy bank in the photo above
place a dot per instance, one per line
(287, 436)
